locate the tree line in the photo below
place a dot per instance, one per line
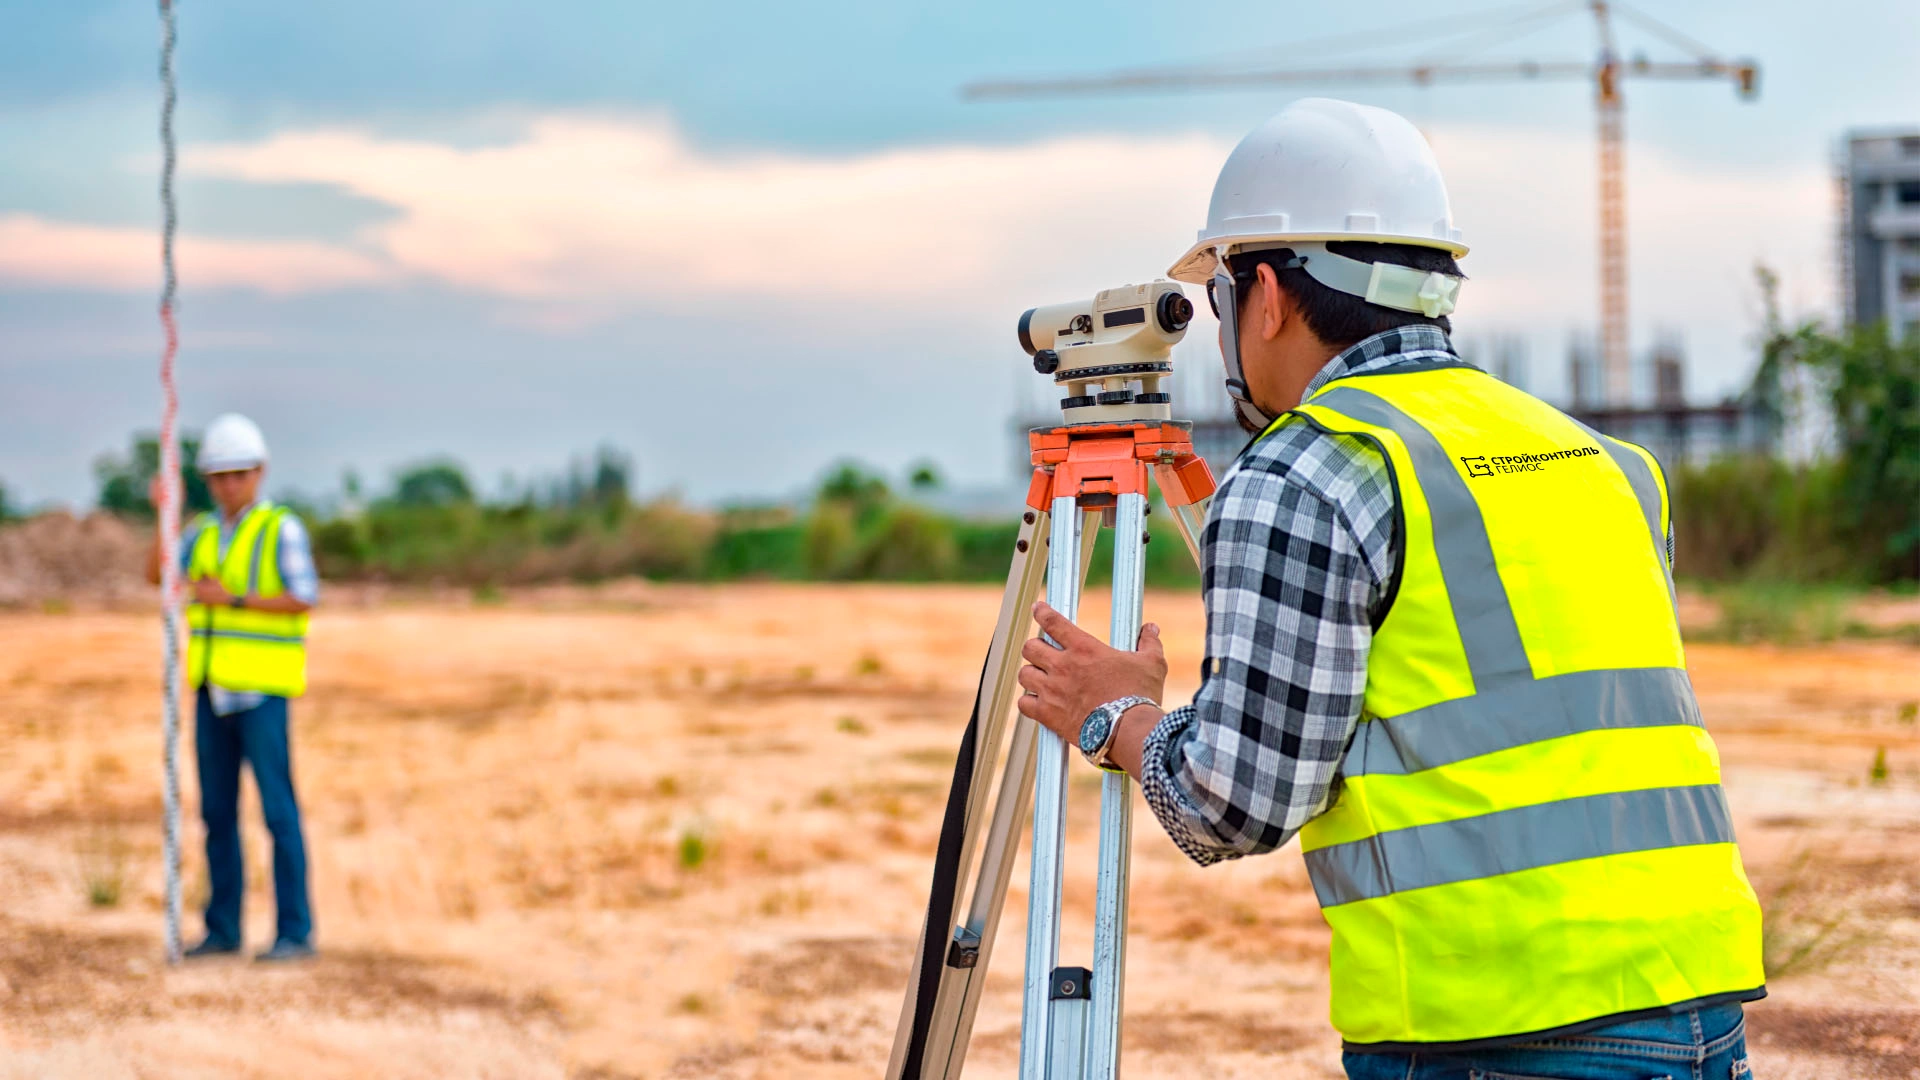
(1851, 516)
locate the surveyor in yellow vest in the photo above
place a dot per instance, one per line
(1442, 650)
(250, 582)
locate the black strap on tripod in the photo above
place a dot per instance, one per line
(946, 884)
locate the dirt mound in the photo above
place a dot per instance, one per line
(59, 558)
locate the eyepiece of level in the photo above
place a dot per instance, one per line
(1175, 312)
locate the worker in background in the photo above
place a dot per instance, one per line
(1441, 649)
(250, 583)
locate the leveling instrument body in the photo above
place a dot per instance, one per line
(1111, 356)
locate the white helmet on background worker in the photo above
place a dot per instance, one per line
(1323, 171)
(232, 443)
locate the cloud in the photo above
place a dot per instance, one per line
(585, 216)
(593, 207)
(34, 250)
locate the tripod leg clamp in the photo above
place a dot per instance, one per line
(1072, 984)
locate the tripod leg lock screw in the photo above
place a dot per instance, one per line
(1070, 983)
(964, 950)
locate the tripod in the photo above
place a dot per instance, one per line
(1085, 476)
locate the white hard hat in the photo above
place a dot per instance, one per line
(232, 443)
(1325, 170)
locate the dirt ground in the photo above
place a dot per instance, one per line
(686, 832)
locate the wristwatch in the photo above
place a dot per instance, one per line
(1098, 729)
(239, 601)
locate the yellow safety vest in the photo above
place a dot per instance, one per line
(1530, 833)
(239, 648)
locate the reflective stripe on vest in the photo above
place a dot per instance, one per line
(1530, 832)
(241, 648)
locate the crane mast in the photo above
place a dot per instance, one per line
(1616, 359)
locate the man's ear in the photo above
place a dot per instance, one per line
(1272, 307)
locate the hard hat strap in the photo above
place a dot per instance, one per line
(1226, 296)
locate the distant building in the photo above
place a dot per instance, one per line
(1659, 417)
(1681, 434)
(1880, 238)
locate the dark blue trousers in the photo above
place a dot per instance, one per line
(258, 737)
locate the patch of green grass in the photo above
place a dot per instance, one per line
(868, 664)
(693, 849)
(1806, 926)
(488, 594)
(103, 868)
(1877, 772)
(851, 725)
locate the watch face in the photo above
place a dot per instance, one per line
(1094, 731)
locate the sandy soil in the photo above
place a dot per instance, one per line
(685, 832)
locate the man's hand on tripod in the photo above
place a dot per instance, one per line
(1066, 683)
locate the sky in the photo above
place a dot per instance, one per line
(742, 242)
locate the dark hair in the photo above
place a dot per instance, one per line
(1339, 318)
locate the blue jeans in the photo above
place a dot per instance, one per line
(257, 736)
(1704, 1044)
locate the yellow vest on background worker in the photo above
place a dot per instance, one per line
(1531, 832)
(240, 648)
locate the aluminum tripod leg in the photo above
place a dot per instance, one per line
(1116, 810)
(1038, 1017)
(989, 895)
(1071, 1017)
(963, 974)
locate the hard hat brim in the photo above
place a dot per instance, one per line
(1197, 265)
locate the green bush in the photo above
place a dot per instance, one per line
(1755, 516)
(757, 551)
(831, 540)
(122, 480)
(1858, 516)
(908, 544)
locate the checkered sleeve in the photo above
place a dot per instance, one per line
(1299, 554)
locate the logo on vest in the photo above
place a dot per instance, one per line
(1522, 463)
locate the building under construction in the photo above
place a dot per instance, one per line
(1880, 223)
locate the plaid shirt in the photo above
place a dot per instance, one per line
(1299, 555)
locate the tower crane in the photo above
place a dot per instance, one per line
(1605, 72)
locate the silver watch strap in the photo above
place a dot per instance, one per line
(1114, 709)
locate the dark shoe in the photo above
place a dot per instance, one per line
(212, 946)
(285, 950)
